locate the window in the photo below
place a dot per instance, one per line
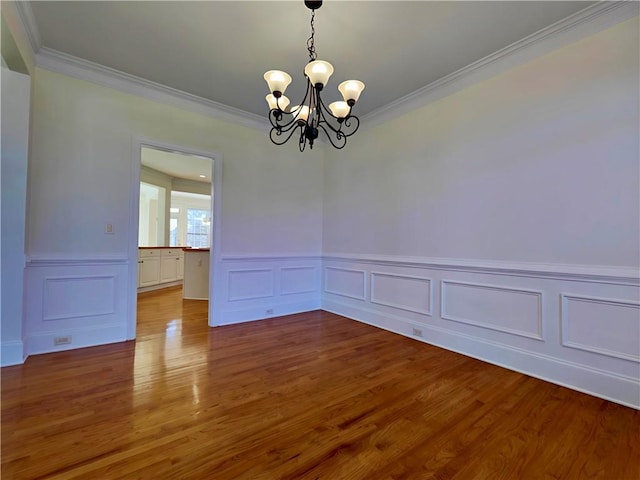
(198, 227)
(190, 220)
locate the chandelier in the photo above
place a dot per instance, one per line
(312, 115)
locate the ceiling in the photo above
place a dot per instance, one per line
(219, 50)
(176, 164)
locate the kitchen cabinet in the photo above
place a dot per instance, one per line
(148, 267)
(196, 279)
(169, 259)
(157, 266)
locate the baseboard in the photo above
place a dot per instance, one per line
(159, 286)
(607, 385)
(80, 337)
(248, 314)
(12, 353)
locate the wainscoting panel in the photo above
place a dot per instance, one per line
(601, 325)
(80, 296)
(513, 315)
(504, 309)
(255, 287)
(404, 292)
(296, 280)
(345, 282)
(73, 303)
(249, 284)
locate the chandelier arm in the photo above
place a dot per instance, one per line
(276, 116)
(302, 141)
(348, 122)
(275, 133)
(324, 112)
(339, 136)
(346, 127)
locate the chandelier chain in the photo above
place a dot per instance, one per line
(310, 42)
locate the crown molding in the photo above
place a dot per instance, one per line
(29, 24)
(588, 21)
(75, 67)
(81, 69)
(24, 30)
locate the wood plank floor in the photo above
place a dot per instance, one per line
(308, 396)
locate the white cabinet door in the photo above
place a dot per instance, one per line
(168, 269)
(149, 271)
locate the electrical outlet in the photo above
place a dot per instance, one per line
(417, 332)
(66, 340)
(269, 311)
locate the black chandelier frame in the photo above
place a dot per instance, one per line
(286, 123)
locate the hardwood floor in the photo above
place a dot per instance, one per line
(308, 396)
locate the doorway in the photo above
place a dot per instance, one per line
(176, 195)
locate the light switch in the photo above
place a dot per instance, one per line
(108, 228)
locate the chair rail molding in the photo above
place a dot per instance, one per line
(581, 273)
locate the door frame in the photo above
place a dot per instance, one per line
(134, 206)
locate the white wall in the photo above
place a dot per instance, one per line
(502, 221)
(15, 140)
(190, 186)
(81, 148)
(154, 177)
(82, 175)
(539, 164)
(151, 220)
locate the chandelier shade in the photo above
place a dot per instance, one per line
(300, 112)
(312, 116)
(318, 72)
(339, 109)
(282, 102)
(278, 81)
(351, 90)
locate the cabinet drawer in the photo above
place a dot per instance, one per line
(148, 252)
(172, 252)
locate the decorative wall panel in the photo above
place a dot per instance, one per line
(402, 291)
(345, 282)
(81, 296)
(504, 309)
(602, 325)
(250, 284)
(296, 280)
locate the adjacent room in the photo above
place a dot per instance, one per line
(320, 240)
(174, 224)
